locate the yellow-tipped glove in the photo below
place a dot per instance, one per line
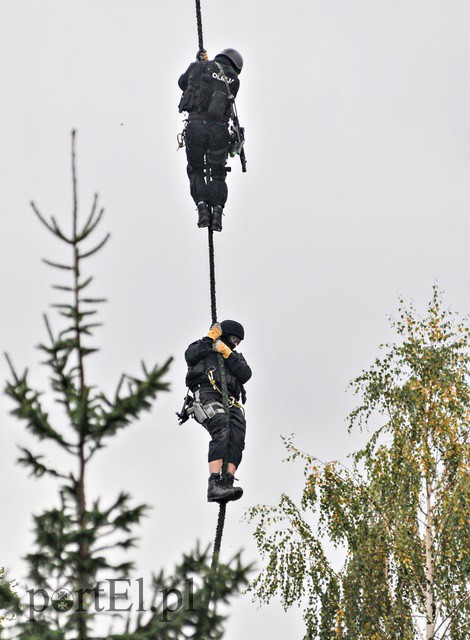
(222, 348)
(202, 55)
(215, 331)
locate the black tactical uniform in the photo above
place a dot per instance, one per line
(205, 98)
(228, 436)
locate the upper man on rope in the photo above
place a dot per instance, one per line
(209, 88)
(204, 380)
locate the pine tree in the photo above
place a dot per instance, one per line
(180, 621)
(9, 601)
(74, 539)
(400, 515)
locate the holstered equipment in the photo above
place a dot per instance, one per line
(202, 413)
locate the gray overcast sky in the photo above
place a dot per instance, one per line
(358, 146)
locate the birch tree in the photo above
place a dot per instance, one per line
(399, 513)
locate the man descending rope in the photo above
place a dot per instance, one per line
(209, 89)
(204, 380)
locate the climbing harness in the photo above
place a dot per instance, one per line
(231, 401)
(193, 408)
(181, 138)
(204, 412)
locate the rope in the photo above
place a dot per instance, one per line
(220, 360)
(200, 631)
(199, 24)
(204, 618)
(212, 274)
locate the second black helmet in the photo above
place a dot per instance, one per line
(233, 328)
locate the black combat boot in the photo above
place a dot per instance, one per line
(238, 491)
(203, 212)
(218, 492)
(217, 217)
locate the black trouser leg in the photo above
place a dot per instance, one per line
(227, 436)
(207, 139)
(237, 436)
(218, 191)
(219, 430)
(197, 184)
(217, 158)
(196, 143)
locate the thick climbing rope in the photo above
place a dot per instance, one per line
(225, 398)
(203, 620)
(200, 632)
(199, 24)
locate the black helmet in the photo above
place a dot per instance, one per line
(233, 57)
(232, 328)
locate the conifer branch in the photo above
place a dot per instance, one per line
(41, 218)
(93, 300)
(91, 224)
(92, 213)
(60, 287)
(11, 367)
(57, 231)
(57, 265)
(95, 249)
(38, 469)
(30, 410)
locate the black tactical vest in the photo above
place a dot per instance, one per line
(205, 93)
(197, 375)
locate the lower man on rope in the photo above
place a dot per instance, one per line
(209, 89)
(204, 380)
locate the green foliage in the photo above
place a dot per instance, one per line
(400, 516)
(39, 630)
(167, 621)
(74, 538)
(181, 624)
(9, 602)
